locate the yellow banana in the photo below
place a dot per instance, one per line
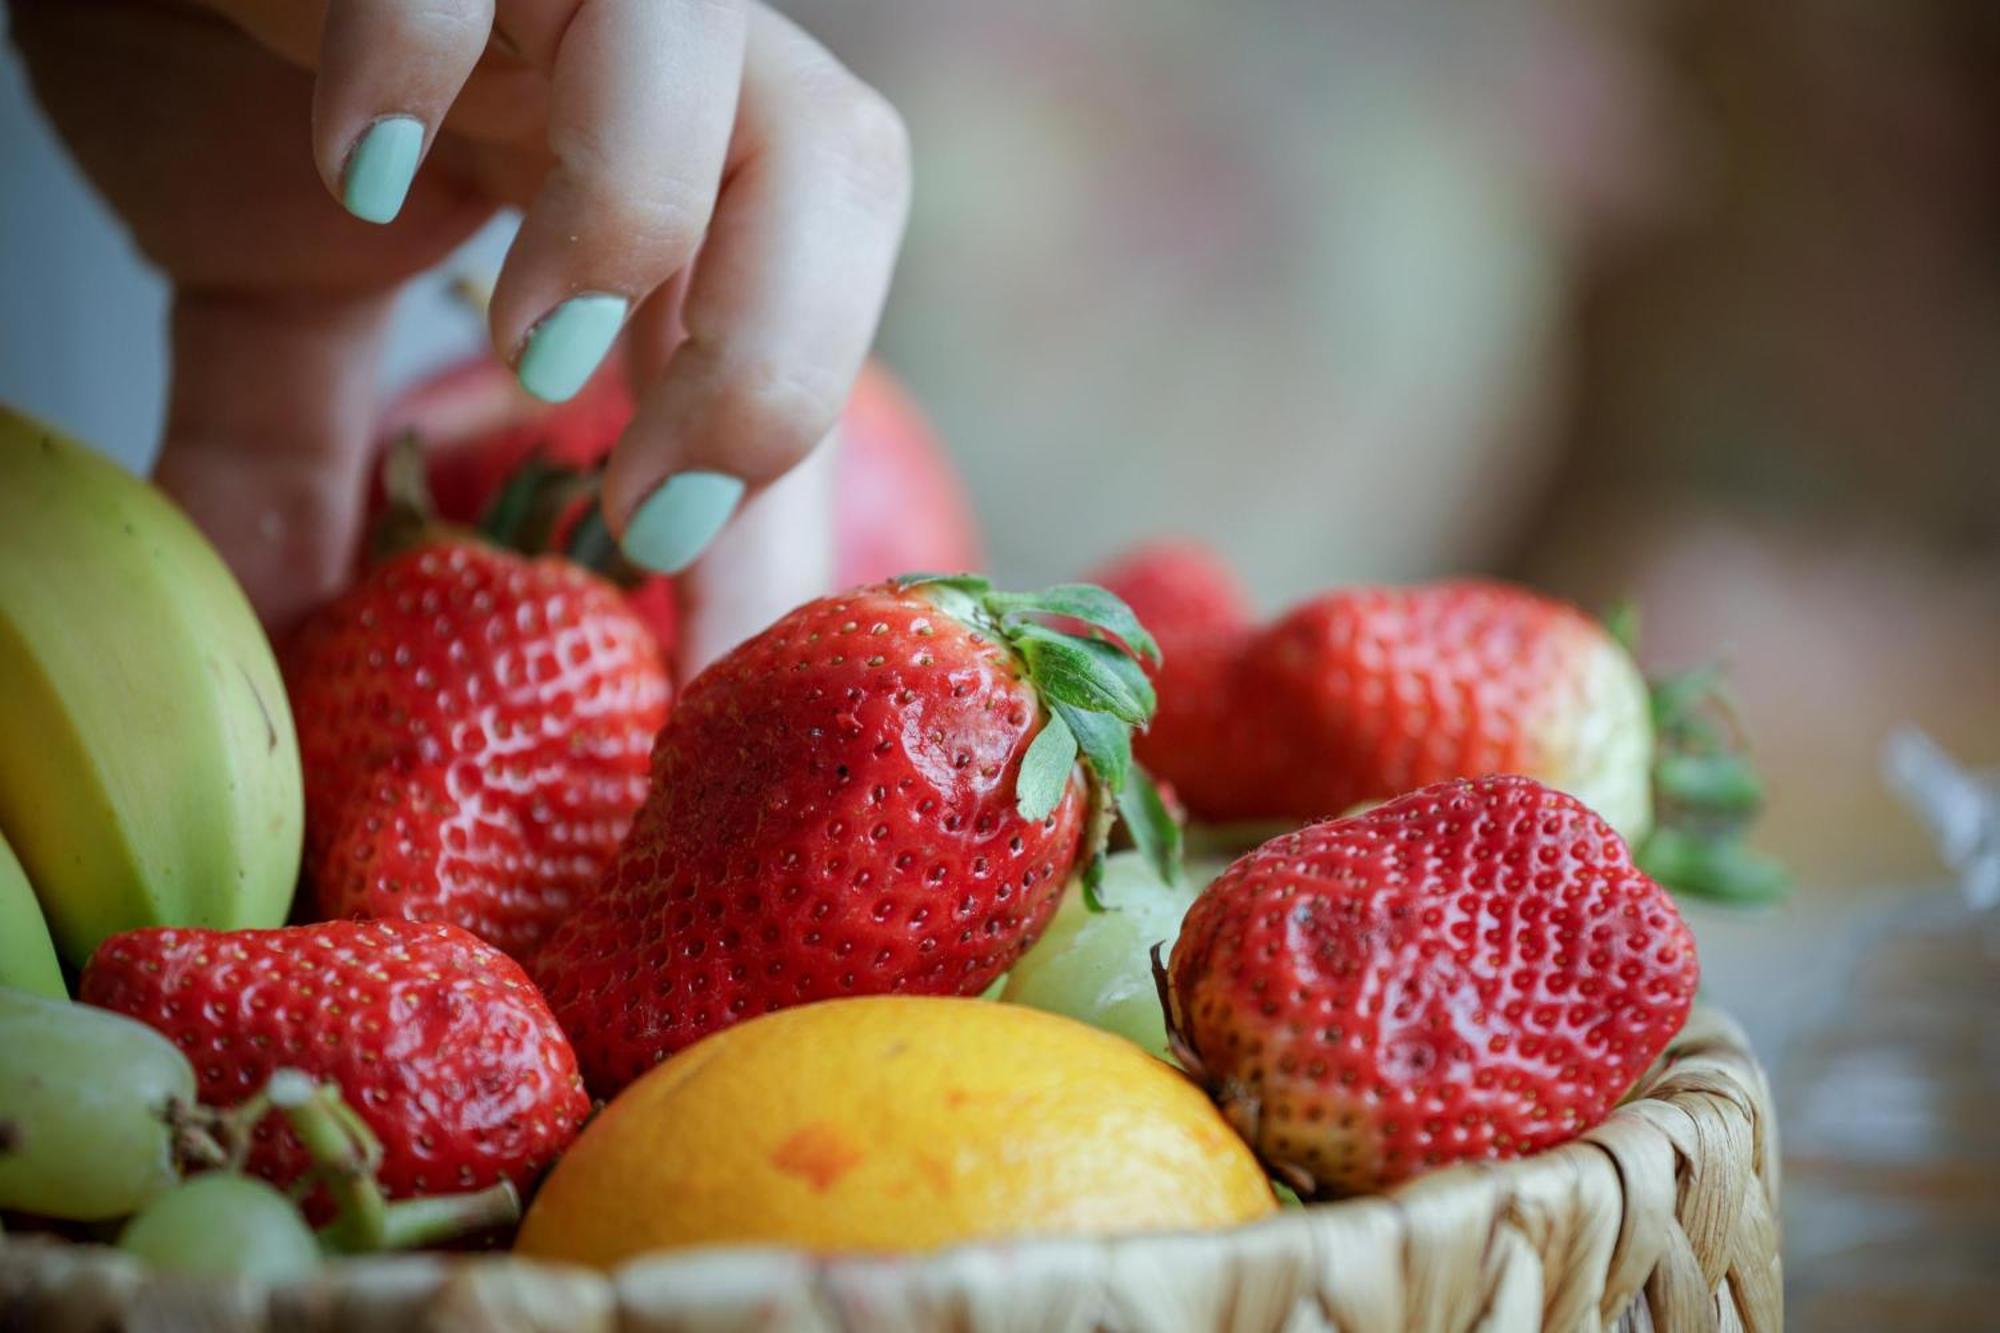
(149, 774)
(27, 955)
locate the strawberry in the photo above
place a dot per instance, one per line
(878, 793)
(1365, 693)
(1372, 692)
(474, 727)
(438, 1041)
(899, 502)
(1475, 970)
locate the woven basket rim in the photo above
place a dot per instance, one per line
(1688, 1229)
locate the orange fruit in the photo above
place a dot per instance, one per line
(895, 1123)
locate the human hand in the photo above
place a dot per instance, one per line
(699, 173)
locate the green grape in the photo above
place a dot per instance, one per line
(1098, 966)
(221, 1224)
(83, 1095)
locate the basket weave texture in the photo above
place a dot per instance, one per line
(1662, 1218)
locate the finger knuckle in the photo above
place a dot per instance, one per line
(664, 219)
(866, 132)
(775, 413)
(669, 220)
(435, 23)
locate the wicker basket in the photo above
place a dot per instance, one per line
(1664, 1217)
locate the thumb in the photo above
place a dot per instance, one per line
(269, 435)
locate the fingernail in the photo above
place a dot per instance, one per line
(676, 523)
(381, 167)
(566, 346)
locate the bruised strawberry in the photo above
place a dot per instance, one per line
(1473, 971)
(877, 794)
(439, 1042)
(474, 727)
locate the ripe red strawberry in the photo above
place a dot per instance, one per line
(474, 727)
(1475, 970)
(1364, 693)
(899, 502)
(439, 1042)
(1372, 692)
(876, 794)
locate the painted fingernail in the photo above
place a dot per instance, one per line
(381, 167)
(566, 346)
(676, 523)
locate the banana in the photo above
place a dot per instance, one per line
(149, 774)
(27, 954)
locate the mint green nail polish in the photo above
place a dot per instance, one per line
(381, 167)
(677, 522)
(566, 346)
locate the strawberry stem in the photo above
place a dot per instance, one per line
(527, 516)
(410, 517)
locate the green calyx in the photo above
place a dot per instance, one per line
(1094, 687)
(527, 515)
(1706, 792)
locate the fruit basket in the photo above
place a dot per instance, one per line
(1663, 1217)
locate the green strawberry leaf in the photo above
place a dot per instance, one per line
(1722, 783)
(1115, 660)
(1073, 671)
(1621, 622)
(591, 543)
(1720, 869)
(1682, 704)
(1045, 770)
(1706, 794)
(1105, 741)
(1086, 602)
(1156, 834)
(1093, 881)
(972, 583)
(507, 514)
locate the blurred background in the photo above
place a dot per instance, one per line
(1692, 302)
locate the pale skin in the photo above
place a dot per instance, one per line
(706, 160)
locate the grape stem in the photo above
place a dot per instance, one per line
(346, 1155)
(191, 1134)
